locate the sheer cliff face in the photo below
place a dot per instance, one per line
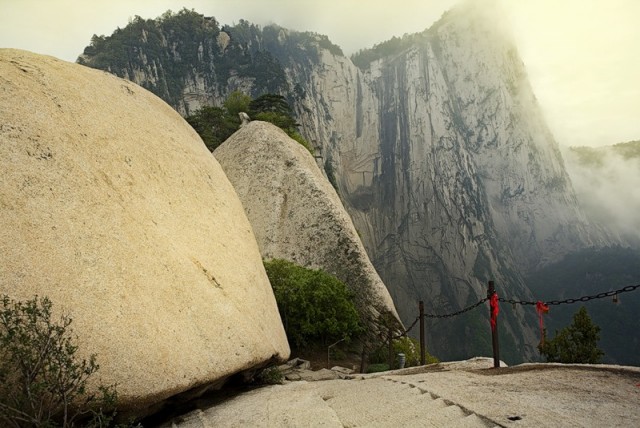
(444, 163)
(446, 166)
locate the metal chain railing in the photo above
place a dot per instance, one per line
(398, 336)
(579, 299)
(462, 311)
(494, 312)
(453, 314)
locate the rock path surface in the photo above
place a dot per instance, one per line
(443, 395)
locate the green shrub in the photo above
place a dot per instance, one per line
(377, 368)
(404, 345)
(316, 308)
(213, 124)
(577, 343)
(295, 135)
(410, 347)
(269, 376)
(42, 382)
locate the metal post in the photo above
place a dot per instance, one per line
(422, 344)
(494, 329)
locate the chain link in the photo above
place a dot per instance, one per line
(524, 302)
(578, 299)
(457, 313)
(398, 336)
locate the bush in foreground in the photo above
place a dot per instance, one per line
(316, 308)
(42, 382)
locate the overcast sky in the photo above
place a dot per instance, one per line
(583, 56)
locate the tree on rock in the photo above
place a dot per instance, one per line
(577, 343)
(275, 109)
(213, 124)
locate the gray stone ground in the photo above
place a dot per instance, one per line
(460, 394)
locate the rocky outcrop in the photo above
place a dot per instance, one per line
(447, 168)
(111, 206)
(295, 213)
(441, 154)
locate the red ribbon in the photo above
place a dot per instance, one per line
(495, 309)
(541, 308)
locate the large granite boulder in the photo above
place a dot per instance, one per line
(295, 213)
(111, 205)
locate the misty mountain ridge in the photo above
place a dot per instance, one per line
(441, 154)
(607, 180)
(596, 156)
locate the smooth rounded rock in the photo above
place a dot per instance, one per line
(111, 206)
(295, 212)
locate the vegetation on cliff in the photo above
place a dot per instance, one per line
(216, 124)
(167, 53)
(595, 157)
(364, 57)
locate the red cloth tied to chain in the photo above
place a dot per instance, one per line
(541, 308)
(494, 310)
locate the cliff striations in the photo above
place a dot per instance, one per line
(442, 156)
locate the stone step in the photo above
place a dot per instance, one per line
(385, 402)
(290, 405)
(449, 415)
(358, 403)
(373, 402)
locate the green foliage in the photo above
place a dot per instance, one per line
(589, 272)
(236, 103)
(364, 57)
(275, 109)
(273, 103)
(316, 308)
(296, 136)
(42, 382)
(277, 119)
(167, 48)
(628, 150)
(216, 124)
(577, 343)
(269, 376)
(408, 346)
(378, 367)
(213, 124)
(588, 156)
(166, 52)
(596, 157)
(284, 123)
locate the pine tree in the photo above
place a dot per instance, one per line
(577, 343)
